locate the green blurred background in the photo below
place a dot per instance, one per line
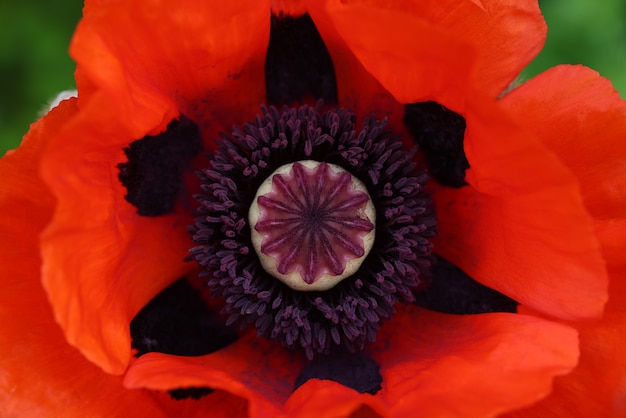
(35, 66)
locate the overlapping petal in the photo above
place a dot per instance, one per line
(482, 43)
(506, 35)
(448, 366)
(143, 63)
(470, 366)
(521, 226)
(101, 262)
(389, 42)
(577, 101)
(579, 117)
(40, 374)
(156, 59)
(260, 371)
(357, 88)
(442, 365)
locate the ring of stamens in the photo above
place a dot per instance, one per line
(312, 224)
(348, 315)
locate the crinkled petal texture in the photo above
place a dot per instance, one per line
(157, 58)
(258, 370)
(40, 374)
(578, 115)
(139, 65)
(391, 41)
(441, 365)
(471, 365)
(486, 43)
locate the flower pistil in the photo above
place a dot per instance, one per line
(312, 224)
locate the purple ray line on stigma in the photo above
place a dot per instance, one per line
(311, 262)
(275, 223)
(330, 255)
(285, 188)
(360, 224)
(281, 240)
(336, 188)
(303, 186)
(352, 202)
(292, 253)
(345, 241)
(319, 184)
(275, 204)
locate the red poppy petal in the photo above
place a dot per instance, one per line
(329, 399)
(415, 60)
(357, 88)
(578, 101)
(597, 387)
(102, 262)
(506, 35)
(143, 63)
(251, 368)
(256, 370)
(153, 57)
(580, 117)
(40, 374)
(471, 365)
(521, 227)
(218, 404)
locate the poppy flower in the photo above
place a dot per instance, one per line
(527, 192)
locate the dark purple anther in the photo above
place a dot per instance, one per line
(312, 224)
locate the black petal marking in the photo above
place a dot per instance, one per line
(452, 291)
(177, 322)
(152, 175)
(298, 64)
(193, 393)
(354, 370)
(439, 132)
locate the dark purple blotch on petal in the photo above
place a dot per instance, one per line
(190, 393)
(152, 175)
(357, 371)
(298, 65)
(439, 132)
(454, 292)
(178, 322)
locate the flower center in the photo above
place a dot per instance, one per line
(312, 224)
